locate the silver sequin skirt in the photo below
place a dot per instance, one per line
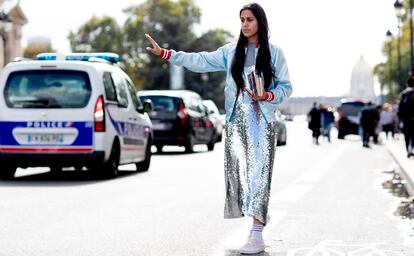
(250, 145)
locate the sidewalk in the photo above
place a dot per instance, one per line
(397, 149)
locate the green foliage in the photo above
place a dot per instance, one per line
(169, 23)
(395, 75)
(35, 48)
(97, 35)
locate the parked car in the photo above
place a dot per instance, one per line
(78, 110)
(280, 129)
(348, 117)
(179, 118)
(215, 117)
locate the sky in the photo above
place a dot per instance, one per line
(322, 39)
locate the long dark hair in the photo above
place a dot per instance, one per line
(263, 59)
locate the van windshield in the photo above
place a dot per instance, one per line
(47, 89)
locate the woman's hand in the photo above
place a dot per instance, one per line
(255, 97)
(156, 49)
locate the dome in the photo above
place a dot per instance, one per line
(362, 67)
(362, 81)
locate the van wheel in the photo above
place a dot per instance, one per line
(7, 172)
(110, 168)
(159, 148)
(189, 144)
(55, 169)
(144, 165)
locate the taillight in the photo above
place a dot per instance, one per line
(99, 115)
(182, 114)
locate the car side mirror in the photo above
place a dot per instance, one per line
(147, 106)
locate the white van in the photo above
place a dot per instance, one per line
(78, 110)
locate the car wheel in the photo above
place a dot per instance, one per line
(7, 172)
(144, 165)
(189, 144)
(220, 138)
(110, 168)
(210, 145)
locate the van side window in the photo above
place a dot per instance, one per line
(121, 90)
(135, 101)
(109, 87)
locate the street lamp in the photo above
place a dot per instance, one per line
(389, 41)
(399, 11)
(5, 28)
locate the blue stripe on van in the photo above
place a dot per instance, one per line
(129, 129)
(85, 131)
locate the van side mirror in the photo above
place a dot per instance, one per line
(147, 106)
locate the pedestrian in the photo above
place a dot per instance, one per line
(369, 120)
(250, 120)
(314, 122)
(327, 121)
(386, 120)
(406, 115)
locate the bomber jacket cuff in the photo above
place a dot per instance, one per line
(270, 96)
(165, 54)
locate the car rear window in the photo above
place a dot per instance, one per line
(161, 103)
(47, 89)
(351, 108)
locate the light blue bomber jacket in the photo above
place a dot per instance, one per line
(221, 60)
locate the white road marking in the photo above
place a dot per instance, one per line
(299, 187)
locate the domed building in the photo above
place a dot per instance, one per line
(362, 81)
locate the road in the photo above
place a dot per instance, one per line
(319, 194)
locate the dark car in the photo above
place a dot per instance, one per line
(348, 117)
(215, 117)
(179, 118)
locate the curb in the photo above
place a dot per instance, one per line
(406, 165)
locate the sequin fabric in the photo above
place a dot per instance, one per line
(250, 145)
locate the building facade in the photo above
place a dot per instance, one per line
(11, 31)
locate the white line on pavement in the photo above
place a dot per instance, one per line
(305, 182)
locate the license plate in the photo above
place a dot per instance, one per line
(45, 138)
(159, 126)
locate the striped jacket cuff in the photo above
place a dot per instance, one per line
(165, 54)
(270, 96)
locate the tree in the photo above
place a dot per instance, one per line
(170, 23)
(97, 35)
(392, 77)
(35, 48)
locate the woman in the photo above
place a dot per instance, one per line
(250, 116)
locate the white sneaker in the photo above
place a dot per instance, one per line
(253, 246)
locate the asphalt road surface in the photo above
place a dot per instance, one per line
(326, 200)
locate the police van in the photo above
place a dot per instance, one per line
(77, 110)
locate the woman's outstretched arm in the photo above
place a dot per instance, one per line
(195, 61)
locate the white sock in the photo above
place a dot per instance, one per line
(256, 232)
